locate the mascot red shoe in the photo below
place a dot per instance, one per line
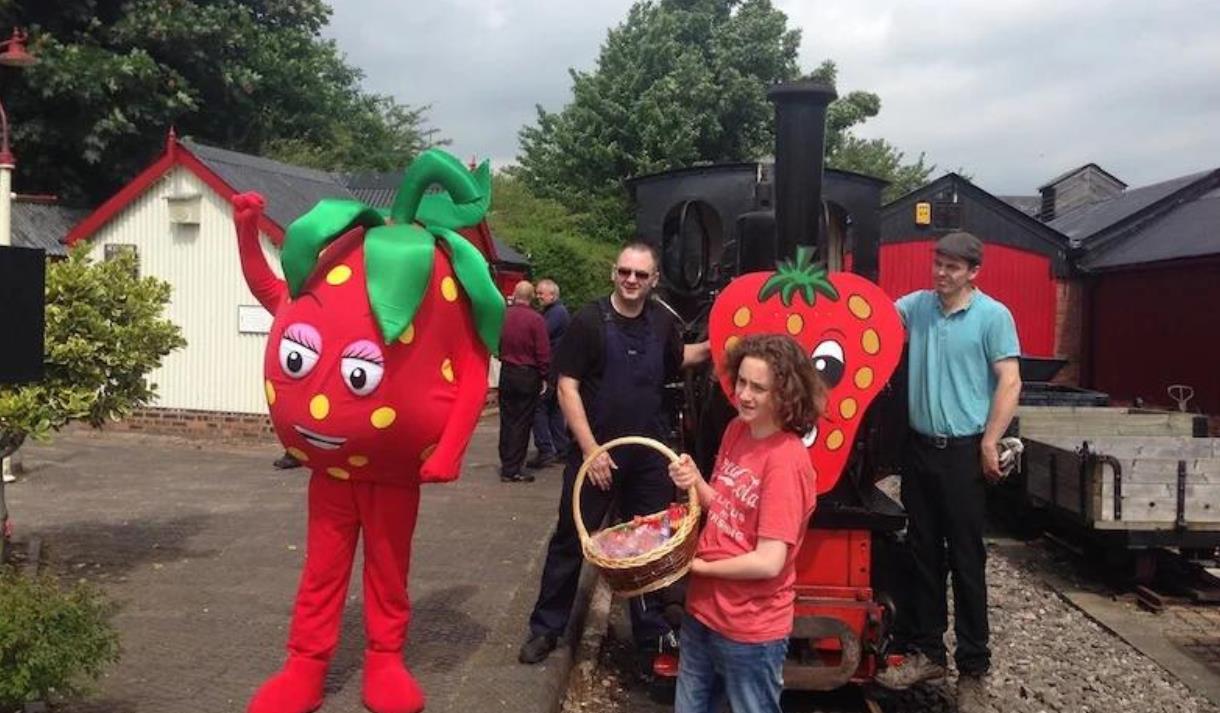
(376, 373)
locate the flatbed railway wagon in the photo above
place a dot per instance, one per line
(1128, 479)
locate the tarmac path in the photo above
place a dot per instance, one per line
(202, 546)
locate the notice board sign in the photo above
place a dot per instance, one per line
(253, 319)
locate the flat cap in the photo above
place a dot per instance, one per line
(961, 245)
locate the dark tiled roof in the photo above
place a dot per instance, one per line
(506, 254)
(1082, 222)
(1029, 205)
(1189, 230)
(290, 190)
(373, 188)
(38, 225)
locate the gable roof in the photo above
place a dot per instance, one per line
(1084, 222)
(1078, 169)
(43, 225)
(1044, 232)
(178, 154)
(1187, 226)
(290, 190)
(1001, 222)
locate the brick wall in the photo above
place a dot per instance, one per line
(1069, 328)
(212, 424)
(206, 424)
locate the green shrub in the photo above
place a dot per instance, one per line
(554, 239)
(51, 638)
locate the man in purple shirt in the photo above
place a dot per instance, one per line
(525, 358)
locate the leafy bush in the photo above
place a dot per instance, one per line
(554, 239)
(105, 331)
(51, 638)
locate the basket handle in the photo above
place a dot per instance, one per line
(692, 510)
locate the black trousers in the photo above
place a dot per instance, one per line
(519, 395)
(943, 491)
(641, 486)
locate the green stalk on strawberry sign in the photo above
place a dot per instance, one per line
(800, 276)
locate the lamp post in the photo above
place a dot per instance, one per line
(14, 54)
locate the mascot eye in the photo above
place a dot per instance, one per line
(362, 365)
(828, 360)
(299, 350)
(360, 375)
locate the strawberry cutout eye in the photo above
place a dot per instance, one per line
(299, 350)
(829, 361)
(362, 367)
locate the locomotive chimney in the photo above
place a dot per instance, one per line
(800, 147)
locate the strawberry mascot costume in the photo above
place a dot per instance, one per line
(376, 373)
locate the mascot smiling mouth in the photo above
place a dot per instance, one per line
(317, 440)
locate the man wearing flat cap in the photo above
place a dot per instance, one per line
(964, 382)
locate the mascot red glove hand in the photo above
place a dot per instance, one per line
(376, 373)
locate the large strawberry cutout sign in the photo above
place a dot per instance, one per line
(848, 326)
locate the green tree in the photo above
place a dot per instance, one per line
(678, 83)
(551, 236)
(872, 157)
(248, 75)
(877, 157)
(104, 332)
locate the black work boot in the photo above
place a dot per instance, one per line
(537, 648)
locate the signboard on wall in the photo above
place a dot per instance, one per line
(253, 319)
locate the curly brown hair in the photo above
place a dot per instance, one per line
(800, 393)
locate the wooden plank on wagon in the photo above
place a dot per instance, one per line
(1202, 503)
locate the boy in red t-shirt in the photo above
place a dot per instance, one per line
(740, 598)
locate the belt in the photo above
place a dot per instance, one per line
(943, 442)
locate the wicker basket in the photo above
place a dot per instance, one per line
(655, 569)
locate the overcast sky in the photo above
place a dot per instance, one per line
(1012, 91)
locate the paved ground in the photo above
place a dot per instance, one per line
(202, 545)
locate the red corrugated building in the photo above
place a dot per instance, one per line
(1024, 260)
(1150, 260)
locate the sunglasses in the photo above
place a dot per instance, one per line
(625, 272)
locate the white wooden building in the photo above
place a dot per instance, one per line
(177, 217)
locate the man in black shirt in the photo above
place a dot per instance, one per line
(613, 363)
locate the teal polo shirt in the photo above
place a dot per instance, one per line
(950, 358)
